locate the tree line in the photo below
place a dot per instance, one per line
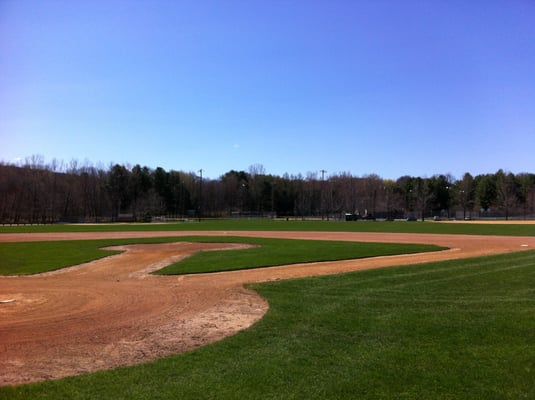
(35, 192)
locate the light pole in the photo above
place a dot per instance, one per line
(322, 200)
(200, 194)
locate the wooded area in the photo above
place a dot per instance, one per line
(33, 192)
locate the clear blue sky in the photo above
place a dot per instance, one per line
(389, 87)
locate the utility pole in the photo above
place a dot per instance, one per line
(200, 194)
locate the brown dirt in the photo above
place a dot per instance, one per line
(112, 312)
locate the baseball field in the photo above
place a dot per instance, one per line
(263, 309)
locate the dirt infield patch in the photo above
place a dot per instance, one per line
(112, 312)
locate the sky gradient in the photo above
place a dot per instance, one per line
(387, 87)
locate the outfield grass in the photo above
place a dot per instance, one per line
(461, 329)
(297, 225)
(24, 258)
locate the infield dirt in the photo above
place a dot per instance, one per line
(112, 312)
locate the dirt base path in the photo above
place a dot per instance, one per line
(112, 312)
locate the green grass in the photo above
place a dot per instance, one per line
(282, 225)
(273, 252)
(27, 258)
(461, 329)
(34, 257)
